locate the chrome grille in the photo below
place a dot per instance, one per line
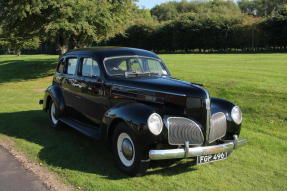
(182, 129)
(217, 127)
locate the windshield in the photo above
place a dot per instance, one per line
(135, 66)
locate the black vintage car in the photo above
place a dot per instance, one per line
(128, 97)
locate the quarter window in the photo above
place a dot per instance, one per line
(72, 65)
(90, 67)
(60, 66)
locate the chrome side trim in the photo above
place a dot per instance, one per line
(196, 151)
(148, 90)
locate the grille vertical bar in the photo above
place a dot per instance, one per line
(208, 114)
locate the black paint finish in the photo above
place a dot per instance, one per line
(103, 101)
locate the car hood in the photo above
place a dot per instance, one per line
(160, 86)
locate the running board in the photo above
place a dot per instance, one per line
(90, 131)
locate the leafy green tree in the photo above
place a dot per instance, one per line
(142, 16)
(172, 10)
(17, 43)
(165, 11)
(260, 7)
(275, 28)
(75, 22)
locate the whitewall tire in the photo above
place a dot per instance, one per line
(54, 120)
(129, 155)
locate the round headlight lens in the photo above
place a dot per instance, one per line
(155, 123)
(236, 115)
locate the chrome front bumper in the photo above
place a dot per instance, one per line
(196, 151)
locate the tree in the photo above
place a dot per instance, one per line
(275, 28)
(165, 11)
(17, 43)
(260, 7)
(142, 16)
(75, 22)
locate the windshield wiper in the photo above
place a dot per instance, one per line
(118, 74)
(151, 73)
(140, 73)
(127, 74)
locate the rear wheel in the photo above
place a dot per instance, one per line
(54, 120)
(128, 153)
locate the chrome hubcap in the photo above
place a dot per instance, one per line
(127, 149)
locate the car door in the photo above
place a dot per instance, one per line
(94, 102)
(70, 84)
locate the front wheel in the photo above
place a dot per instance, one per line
(128, 153)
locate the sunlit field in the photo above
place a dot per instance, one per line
(256, 82)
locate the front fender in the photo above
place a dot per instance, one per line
(221, 105)
(135, 115)
(54, 92)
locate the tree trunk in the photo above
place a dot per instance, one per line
(18, 52)
(62, 44)
(63, 48)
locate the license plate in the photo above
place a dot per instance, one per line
(211, 158)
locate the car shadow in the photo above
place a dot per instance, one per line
(18, 70)
(68, 149)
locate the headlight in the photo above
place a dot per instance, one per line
(155, 124)
(236, 115)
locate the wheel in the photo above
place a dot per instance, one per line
(128, 153)
(54, 121)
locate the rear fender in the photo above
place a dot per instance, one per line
(54, 93)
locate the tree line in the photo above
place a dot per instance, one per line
(211, 27)
(198, 25)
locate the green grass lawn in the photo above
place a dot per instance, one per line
(256, 82)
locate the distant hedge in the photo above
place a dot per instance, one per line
(208, 34)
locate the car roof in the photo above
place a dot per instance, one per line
(111, 51)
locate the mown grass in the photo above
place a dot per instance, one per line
(256, 82)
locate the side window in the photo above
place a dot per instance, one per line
(90, 67)
(60, 66)
(71, 65)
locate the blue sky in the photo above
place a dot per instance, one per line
(151, 3)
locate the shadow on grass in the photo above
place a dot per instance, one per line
(18, 70)
(68, 149)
